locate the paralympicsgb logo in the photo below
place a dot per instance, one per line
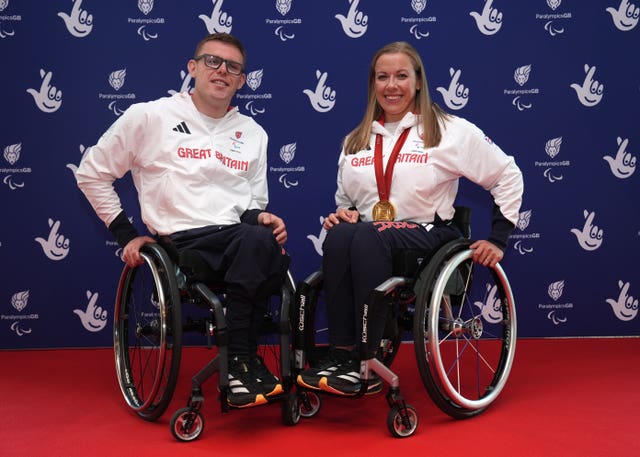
(254, 79)
(284, 26)
(288, 152)
(523, 239)
(552, 147)
(418, 29)
(418, 5)
(289, 173)
(521, 75)
(552, 167)
(116, 78)
(19, 301)
(555, 290)
(145, 6)
(522, 99)
(283, 6)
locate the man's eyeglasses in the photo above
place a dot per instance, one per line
(211, 61)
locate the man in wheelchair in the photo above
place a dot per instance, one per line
(199, 168)
(408, 151)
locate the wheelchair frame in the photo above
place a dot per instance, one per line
(464, 356)
(148, 329)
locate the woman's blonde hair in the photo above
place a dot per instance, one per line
(430, 113)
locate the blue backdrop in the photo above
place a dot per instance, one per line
(555, 83)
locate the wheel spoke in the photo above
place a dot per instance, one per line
(466, 333)
(147, 351)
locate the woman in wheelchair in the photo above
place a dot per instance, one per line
(397, 182)
(194, 196)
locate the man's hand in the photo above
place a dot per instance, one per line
(131, 252)
(277, 224)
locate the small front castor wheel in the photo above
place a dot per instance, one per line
(187, 424)
(291, 410)
(402, 421)
(310, 403)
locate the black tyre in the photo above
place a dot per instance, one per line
(399, 426)
(187, 424)
(464, 331)
(147, 333)
(310, 404)
(291, 409)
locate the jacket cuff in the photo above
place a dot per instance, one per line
(250, 216)
(501, 228)
(123, 230)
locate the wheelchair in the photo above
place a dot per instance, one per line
(149, 329)
(462, 318)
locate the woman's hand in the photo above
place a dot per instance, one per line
(486, 253)
(342, 214)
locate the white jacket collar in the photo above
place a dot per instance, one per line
(408, 121)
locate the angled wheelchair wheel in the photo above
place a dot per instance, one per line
(402, 422)
(310, 403)
(464, 331)
(291, 409)
(147, 333)
(187, 424)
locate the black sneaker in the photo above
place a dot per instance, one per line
(268, 381)
(244, 389)
(312, 377)
(346, 380)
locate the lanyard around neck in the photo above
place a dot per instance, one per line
(383, 180)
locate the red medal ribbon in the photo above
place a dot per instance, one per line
(384, 180)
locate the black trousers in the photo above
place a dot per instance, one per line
(359, 257)
(253, 266)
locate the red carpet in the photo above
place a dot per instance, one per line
(565, 397)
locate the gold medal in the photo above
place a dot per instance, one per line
(384, 211)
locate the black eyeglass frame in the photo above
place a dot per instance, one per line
(213, 61)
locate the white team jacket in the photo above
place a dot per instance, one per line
(425, 181)
(186, 176)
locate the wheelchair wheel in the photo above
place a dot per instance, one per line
(402, 421)
(464, 331)
(147, 333)
(187, 424)
(310, 404)
(291, 409)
